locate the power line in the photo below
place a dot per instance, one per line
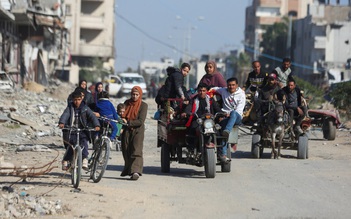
(151, 37)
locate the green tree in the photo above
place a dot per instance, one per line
(313, 94)
(340, 97)
(274, 42)
(241, 65)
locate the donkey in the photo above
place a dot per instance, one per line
(276, 126)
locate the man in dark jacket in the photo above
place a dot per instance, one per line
(293, 104)
(256, 78)
(173, 87)
(199, 105)
(79, 115)
(266, 94)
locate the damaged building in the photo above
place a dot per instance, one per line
(32, 39)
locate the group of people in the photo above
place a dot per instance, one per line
(275, 85)
(84, 109)
(232, 95)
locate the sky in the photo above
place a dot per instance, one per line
(148, 30)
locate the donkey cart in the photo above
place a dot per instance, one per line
(276, 133)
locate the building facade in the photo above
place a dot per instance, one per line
(91, 32)
(324, 43)
(263, 13)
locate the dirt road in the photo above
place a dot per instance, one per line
(319, 187)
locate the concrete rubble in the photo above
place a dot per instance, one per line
(29, 116)
(19, 203)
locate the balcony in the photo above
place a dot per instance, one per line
(92, 22)
(95, 50)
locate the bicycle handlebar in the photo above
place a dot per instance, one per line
(73, 128)
(112, 120)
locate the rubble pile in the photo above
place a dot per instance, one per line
(17, 204)
(28, 124)
(36, 112)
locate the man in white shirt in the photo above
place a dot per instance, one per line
(234, 101)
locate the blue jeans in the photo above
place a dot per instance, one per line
(228, 123)
(73, 141)
(234, 119)
(114, 130)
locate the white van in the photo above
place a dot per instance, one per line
(114, 85)
(129, 80)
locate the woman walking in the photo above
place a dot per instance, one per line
(133, 134)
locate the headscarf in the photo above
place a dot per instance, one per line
(96, 91)
(80, 84)
(213, 63)
(97, 85)
(132, 107)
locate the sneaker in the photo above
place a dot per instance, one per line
(65, 165)
(225, 133)
(223, 159)
(135, 176)
(85, 164)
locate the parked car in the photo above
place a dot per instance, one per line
(114, 85)
(129, 80)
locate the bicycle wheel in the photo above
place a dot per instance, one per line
(100, 160)
(76, 167)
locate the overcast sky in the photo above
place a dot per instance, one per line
(147, 30)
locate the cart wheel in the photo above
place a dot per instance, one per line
(256, 146)
(302, 147)
(210, 163)
(329, 129)
(165, 158)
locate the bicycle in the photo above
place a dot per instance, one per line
(75, 164)
(98, 160)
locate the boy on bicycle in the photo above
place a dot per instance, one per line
(78, 114)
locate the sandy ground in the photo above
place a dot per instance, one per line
(319, 187)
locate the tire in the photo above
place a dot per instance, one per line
(302, 147)
(100, 161)
(165, 158)
(225, 167)
(210, 163)
(76, 167)
(256, 146)
(329, 129)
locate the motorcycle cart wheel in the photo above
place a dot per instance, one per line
(225, 167)
(302, 147)
(165, 158)
(256, 147)
(329, 129)
(210, 163)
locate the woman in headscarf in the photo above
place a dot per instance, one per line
(213, 78)
(88, 97)
(133, 134)
(99, 87)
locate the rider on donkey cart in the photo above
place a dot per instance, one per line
(266, 94)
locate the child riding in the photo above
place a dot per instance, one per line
(80, 115)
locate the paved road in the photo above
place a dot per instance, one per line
(319, 187)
